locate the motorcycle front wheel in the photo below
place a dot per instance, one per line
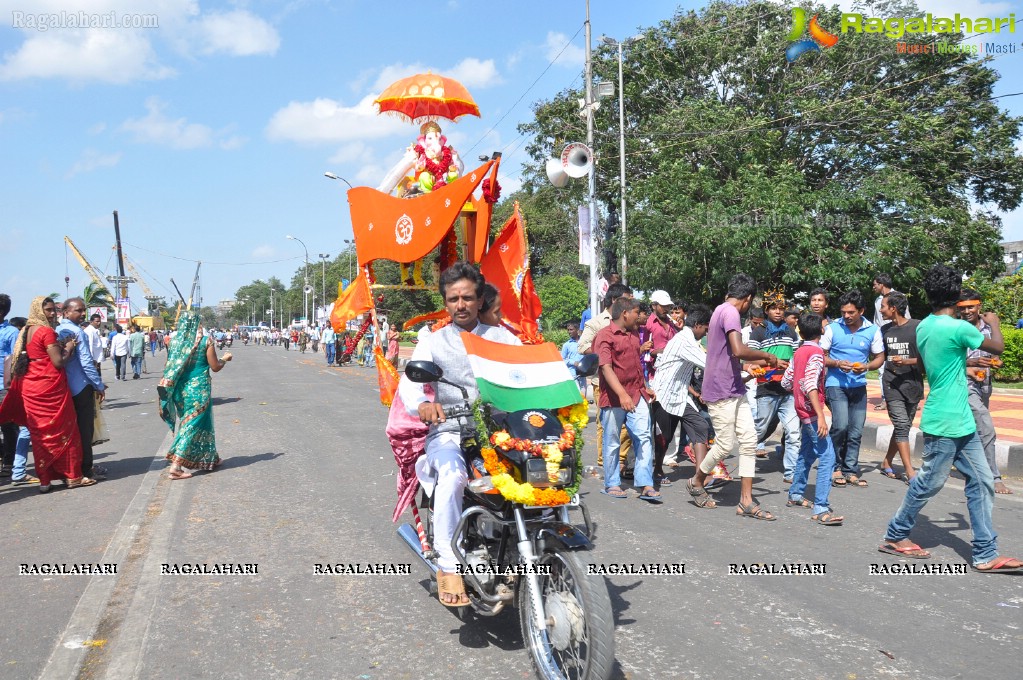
(578, 641)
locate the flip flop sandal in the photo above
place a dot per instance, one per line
(613, 494)
(998, 567)
(889, 473)
(450, 584)
(663, 481)
(904, 551)
(801, 503)
(651, 498)
(754, 511)
(827, 519)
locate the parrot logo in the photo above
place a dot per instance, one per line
(819, 38)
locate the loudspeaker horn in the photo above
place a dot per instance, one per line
(577, 160)
(556, 173)
(307, 289)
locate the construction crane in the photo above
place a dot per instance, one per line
(151, 298)
(86, 265)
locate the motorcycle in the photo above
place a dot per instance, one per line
(532, 558)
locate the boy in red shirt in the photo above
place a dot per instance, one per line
(804, 377)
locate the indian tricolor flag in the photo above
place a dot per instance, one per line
(517, 377)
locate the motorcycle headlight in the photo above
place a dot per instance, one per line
(536, 472)
(564, 476)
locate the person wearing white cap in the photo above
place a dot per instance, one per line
(660, 327)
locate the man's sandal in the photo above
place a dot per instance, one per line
(800, 503)
(853, 480)
(754, 511)
(838, 479)
(1001, 565)
(700, 496)
(912, 550)
(828, 519)
(451, 584)
(888, 472)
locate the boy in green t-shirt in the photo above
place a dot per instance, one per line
(950, 435)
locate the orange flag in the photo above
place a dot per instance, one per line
(506, 266)
(407, 229)
(387, 376)
(353, 301)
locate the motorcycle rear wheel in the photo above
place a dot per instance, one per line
(578, 642)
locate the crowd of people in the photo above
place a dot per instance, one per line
(51, 363)
(730, 385)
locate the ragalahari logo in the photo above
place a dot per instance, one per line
(819, 38)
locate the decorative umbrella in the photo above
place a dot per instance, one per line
(427, 96)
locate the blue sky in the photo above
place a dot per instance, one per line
(210, 133)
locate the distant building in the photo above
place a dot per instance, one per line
(1012, 256)
(224, 307)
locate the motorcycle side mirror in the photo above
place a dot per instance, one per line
(588, 365)
(423, 371)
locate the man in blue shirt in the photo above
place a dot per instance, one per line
(571, 354)
(16, 439)
(852, 345)
(83, 380)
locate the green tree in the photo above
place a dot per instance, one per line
(849, 161)
(563, 298)
(96, 295)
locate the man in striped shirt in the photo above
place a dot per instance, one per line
(673, 404)
(778, 338)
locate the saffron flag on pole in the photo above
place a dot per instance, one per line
(506, 266)
(517, 377)
(355, 300)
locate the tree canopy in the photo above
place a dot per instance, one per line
(824, 171)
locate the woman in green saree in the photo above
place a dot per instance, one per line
(185, 398)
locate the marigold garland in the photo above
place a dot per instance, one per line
(573, 419)
(438, 170)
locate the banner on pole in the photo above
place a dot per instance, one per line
(584, 236)
(123, 311)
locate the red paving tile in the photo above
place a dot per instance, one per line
(1006, 412)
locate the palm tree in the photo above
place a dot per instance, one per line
(96, 295)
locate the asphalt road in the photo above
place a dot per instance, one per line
(309, 479)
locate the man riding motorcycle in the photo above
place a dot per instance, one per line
(441, 470)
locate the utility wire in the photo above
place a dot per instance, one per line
(226, 264)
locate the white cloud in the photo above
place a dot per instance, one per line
(232, 143)
(327, 120)
(97, 129)
(570, 55)
(239, 33)
(263, 252)
(93, 160)
(156, 128)
(93, 55)
(356, 153)
(471, 72)
(120, 54)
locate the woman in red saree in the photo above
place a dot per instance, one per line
(39, 398)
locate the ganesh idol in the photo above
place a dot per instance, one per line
(428, 164)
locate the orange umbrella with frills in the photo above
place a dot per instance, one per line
(427, 96)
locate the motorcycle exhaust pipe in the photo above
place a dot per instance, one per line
(410, 538)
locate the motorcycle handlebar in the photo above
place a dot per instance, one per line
(457, 411)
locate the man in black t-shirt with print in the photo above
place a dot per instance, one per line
(902, 379)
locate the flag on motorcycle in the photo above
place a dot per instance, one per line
(517, 377)
(506, 265)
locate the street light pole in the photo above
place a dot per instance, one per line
(349, 244)
(305, 292)
(323, 274)
(621, 142)
(593, 170)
